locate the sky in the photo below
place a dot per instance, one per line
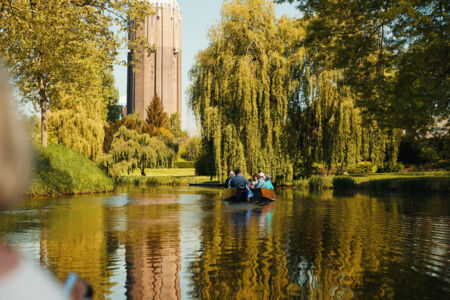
(198, 16)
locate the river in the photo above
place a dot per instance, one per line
(181, 242)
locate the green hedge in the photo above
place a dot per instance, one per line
(362, 168)
(184, 164)
(318, 183)
(60, 170)
(343, 183)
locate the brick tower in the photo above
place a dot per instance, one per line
(160, 73)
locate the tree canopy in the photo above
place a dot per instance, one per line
(264, 105)
(57, 47)
(394, 55)
(131, 150)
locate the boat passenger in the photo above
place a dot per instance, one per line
(261, 184)
(239, 180)
(269, 184)
(227, 182)
(255, 181)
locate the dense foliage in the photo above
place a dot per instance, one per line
(264, 105)
(394, 55)
(55, 49)
(60, 170)
(131, 150)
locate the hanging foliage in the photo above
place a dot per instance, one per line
(131, 150)
(264, 105)
(241, 87)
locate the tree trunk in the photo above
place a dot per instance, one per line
(43, 104)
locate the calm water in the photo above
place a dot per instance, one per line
(170, 243)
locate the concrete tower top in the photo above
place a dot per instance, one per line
(172, 4)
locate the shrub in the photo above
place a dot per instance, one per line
(318, 183)
(343, 183)
(391, 167)
(204, 165)
(60, 170)
(301, 184)
(364, 167)
(184, 164)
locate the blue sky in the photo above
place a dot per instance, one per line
(198, 17)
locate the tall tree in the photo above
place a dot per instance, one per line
(241, 86)
(156, 116)
(394, 55)
(264, 104)
(49, 45)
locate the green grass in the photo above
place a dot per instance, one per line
(163, 180)
(167, 172)
(384, 176)
(60, 170)
(438, 181)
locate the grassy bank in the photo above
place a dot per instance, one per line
(60, 170)
(167, 177)
(438, 181)
(405, 182)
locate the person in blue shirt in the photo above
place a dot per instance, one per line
(269, 184)
(239, 180)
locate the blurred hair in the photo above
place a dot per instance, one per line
(15, 160)
(268, 177)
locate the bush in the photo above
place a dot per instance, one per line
(391, 167)
(60, 170)
(318, 183)
(364, 167)
(302, 184)
(204, 165)
(343, 183)
(184, 164)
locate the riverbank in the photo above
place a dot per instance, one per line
(62, 171)
(405, 182)
(436, 181)
(164, 177)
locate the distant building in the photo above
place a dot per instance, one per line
(160, 73)
(123, 111)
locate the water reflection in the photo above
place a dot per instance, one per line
(169, 243)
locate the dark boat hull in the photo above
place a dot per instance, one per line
(259, 195)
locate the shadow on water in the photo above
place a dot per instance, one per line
(172, 243)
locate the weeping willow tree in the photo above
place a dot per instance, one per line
(327, 128)
(264, 104)
(240, 90)
(78, 117)
(131, 150)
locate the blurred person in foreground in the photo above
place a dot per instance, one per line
(20, 278)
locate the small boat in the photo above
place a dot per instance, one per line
(259, 195)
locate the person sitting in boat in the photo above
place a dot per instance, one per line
(254, 182)
(269, 184)
(238, 181)
(230, 176)
(261, 184)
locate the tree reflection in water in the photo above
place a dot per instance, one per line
(165, 243)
